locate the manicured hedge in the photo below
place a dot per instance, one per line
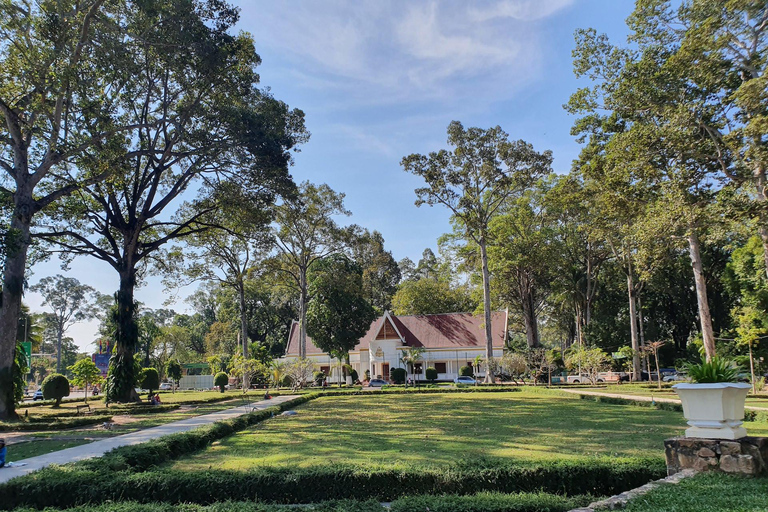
(78, 484)
(483, 502)
(54, 424)
(142, 408)
(662, 406)
(491, 502)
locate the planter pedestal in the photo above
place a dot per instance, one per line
(714, 411)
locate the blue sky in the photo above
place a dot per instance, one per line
(379, 80)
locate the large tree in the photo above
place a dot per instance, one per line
(203, 122)
(306, 231)
(381, 274)
(473, 180)
(65, 66)
(338, 314)
(70, 302)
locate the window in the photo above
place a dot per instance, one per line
(417, 368)
(325, 369)
(440, 367)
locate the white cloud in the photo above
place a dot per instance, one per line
(377, 52)
(523, 10)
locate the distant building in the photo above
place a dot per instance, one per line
(450, 340)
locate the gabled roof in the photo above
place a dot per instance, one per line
(448, 331)
(387, 329)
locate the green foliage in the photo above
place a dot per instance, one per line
(354, 375)
(428, 296)
(338, 314)
(590, 360)
(717, 369)
(221, 380)
(431, 374)
(466, 371)
(19, 372)
(150, 379)
(85, 372)
(55, 423)
(173, 370)
(490, 502)
(318, 377)
(138, 481)
(55, 387)
(397, 375)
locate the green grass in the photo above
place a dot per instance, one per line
(708, 492)
(29, 449)
(445, 430)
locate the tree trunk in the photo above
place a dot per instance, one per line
(633, 325)
(59, 335)
(243, 320)
(17, 241)
(302, 313)
(489, 377)
(531, 323)
(123, 376)
(759, 175)
(641, 329)
(705, 317)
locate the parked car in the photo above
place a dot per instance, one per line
(674, 377)
(166, 386)
(612, 377)
(38, 395)
(464, 380)
(377, 383)
(579, 379)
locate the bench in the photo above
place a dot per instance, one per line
(84, 409)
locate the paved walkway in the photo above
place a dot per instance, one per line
(642, 398)
(99, 448)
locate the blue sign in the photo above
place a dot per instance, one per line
(102, 361)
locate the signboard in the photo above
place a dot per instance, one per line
(102, 361)
(26, 346)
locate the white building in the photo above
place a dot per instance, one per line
(449, 340)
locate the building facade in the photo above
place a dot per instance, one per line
(449, 341)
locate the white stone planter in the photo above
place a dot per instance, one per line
(714, 411)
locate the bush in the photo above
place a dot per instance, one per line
(54, 424)
(397, 375)
(150, 379)
(319, 377)
(466, 371)
(55, 387)
(431, 374)
(87, 482)
(354, 375)
(221, 380)
(490, 502)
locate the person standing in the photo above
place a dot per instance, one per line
(3, 451)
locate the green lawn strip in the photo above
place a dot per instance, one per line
(442, 430)
(27, 449)
(707, 492)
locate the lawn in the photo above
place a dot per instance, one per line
(708, 492)
(40, 447)
(443, 430)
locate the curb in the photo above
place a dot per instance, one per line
(620, 500)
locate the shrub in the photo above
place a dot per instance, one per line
(221, 380)
(397, 375)
(466, 371)
(431, 374)
(490, 502)
(716, 370)
(354, 375)
(150, 379)
(54, 424)
(89, 483)
(55, 387)
(319, 377)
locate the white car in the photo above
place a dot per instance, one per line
(166, 386)
(674, 377)
(464, 380)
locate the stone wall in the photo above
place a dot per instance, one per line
(748, 456)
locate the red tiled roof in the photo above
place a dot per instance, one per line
(449, 330)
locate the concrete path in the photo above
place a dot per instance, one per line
(642, 398)
(99, 448)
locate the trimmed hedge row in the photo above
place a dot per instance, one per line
(77, 485)
(142, 408)
(55, 424)
(483, 502)
(661, 406)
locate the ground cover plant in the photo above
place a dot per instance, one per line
(706, 492)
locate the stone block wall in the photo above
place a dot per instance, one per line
(748, 456)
